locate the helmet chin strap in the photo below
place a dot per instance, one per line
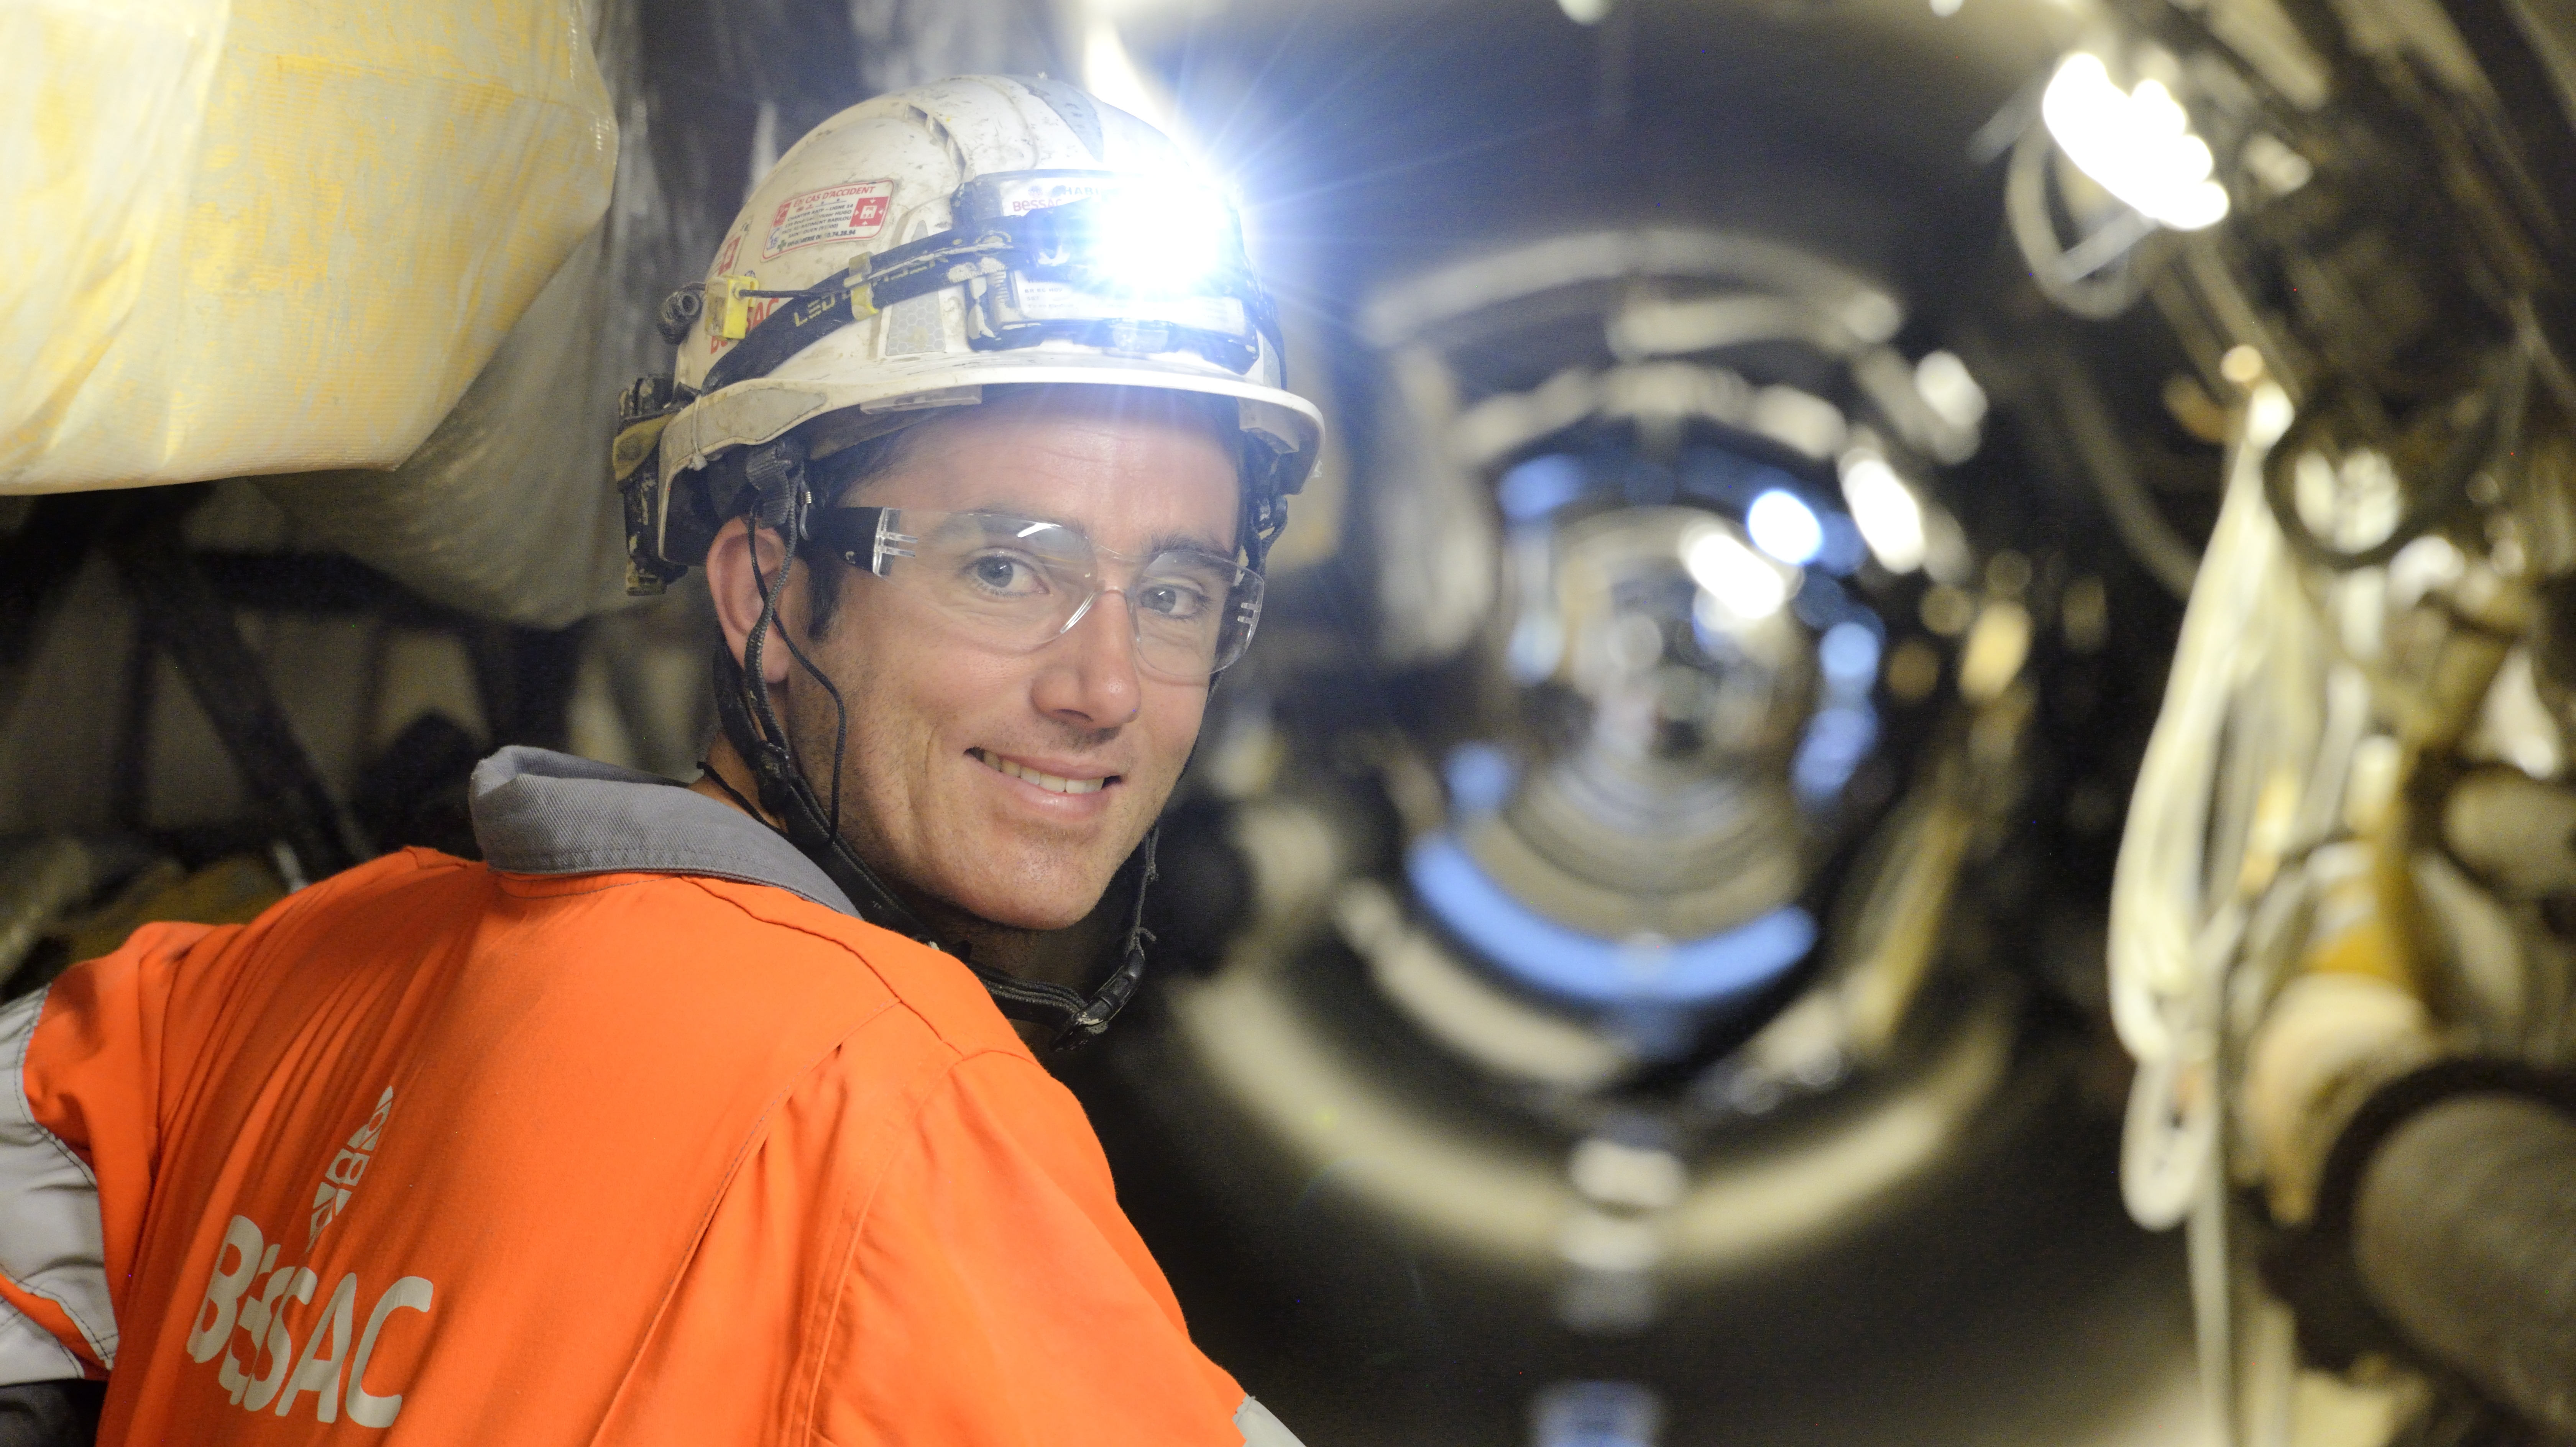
(1068, 1017)
(751, 723)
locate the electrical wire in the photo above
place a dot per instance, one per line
(789, 532)
(2098, 278)
(2248, 649)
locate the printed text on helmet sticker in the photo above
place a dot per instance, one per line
(836, 213)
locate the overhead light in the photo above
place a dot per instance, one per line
(1797, 419)
(1998, 645)
(1848, 654)
(1539, 486)
(1749, 586)
(1784, 527)
(1950, 390)
(2137, 143)
(1837, 740)
(1885, 509)
(2280, 169)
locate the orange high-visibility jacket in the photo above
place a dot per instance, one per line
(631, 1134)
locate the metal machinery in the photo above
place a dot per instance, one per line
(2340, 942)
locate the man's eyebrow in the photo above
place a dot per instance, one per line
(1186, 542)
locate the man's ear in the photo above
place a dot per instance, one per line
(740, 562)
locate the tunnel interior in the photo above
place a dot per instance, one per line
(1646, 945)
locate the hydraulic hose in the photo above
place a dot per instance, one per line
(2464, 1230)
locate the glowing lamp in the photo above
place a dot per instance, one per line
(1159, 239)
(1747, 585)
(2137, 143)
(1885, 509)
(1784, 527)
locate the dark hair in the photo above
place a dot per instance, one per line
(840, 474)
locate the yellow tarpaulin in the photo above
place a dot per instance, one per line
(264, 236)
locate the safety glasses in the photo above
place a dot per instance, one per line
(1017, 584)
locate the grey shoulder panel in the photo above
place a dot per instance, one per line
(53, 1242)
(1260, 1428)
(540, 812)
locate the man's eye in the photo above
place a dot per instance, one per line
(1172, 600)
(1000, 573)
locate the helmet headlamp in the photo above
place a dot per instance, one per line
(1138, 266)
(1161, 240)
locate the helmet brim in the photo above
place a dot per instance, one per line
(757, 411)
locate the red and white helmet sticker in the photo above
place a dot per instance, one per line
(837, 213)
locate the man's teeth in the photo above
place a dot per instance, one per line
(1046, 781)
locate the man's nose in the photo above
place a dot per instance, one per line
(1088, 675)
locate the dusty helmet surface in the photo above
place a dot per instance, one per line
(1142, 283)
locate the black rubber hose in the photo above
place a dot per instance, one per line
(2465, 1234)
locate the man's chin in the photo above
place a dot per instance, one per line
(1036, 879)
(1024, 905)
(1017, 915)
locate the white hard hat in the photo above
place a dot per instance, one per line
(922, 246)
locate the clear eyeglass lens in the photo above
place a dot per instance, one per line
(1017, 584)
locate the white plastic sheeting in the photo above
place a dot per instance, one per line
(506, 510)
(261, 236)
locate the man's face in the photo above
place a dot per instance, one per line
(943, 729)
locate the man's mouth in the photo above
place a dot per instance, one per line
(1052, 783)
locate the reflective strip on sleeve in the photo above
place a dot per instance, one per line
(1260, 1428)
(52, 1244)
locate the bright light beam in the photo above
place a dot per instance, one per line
(1159, 238)
(1111, 74)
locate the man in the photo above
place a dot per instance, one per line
(711, 1114)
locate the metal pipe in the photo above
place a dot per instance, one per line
(2465, 1233)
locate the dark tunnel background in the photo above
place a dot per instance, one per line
(2003, 1297)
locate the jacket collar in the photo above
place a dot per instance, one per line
(541, 812)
